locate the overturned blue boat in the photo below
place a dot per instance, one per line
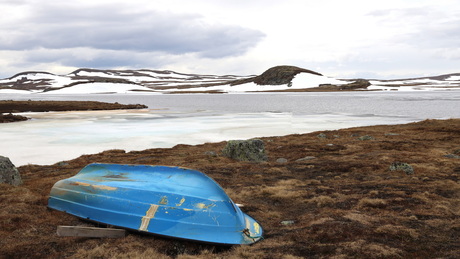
(168, 201)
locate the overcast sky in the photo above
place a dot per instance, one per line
(342, 39)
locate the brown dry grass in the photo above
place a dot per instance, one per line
(344, 203)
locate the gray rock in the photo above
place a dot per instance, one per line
(398, 166)
(287, 222)
(62, 164)
(210, 153)
(452, 156)
(8, 172)
(366, 137)
(246, 150)
(321, 135)
(305, 158)
(281, 160)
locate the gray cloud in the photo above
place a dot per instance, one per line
(430, 28)
(92, 58)
(115, 28)
(438, 35)
(401, 12)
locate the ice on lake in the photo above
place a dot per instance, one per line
(195, 119)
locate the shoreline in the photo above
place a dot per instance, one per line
(335, 189)
(9, 107)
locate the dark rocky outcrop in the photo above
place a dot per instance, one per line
(252, 150)
(11, 118)
(7, 107)
(8, 172)
(10, 106)
(278, 75)
(358, 84)
(281, 75)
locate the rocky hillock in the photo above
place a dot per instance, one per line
(358, 84)
(281, 75)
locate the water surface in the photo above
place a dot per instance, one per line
(198, 118)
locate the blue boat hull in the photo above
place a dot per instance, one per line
(168, 201)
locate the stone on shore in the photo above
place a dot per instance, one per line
(399, 166)
(252, 150)
(8, 172)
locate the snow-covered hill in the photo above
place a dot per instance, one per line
(281, 78)
(442, 82)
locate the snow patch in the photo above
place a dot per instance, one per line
(300, 81)
(14, 91)
(453, 78)
(93, 88)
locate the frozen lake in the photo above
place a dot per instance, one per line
(198, 118)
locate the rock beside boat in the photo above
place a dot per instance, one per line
(252, 150)
(8, 172)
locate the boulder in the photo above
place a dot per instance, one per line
(366, 137)
(281, 160)
(452, 156)
(252, 150)
(307, 158)
(399, 166)
(8, 172)
(321, 135)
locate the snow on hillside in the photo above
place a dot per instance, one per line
(95, 88)
(153, 76)
(453, 78)
(90, 81)
(110, 81)
(424, 84)
(51, 80)
(300, 81)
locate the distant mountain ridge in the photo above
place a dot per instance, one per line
(279, 78)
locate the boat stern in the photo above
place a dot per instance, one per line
(253, 231)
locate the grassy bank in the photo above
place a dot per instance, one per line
(333, 195)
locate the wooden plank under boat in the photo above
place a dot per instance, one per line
(168, 201)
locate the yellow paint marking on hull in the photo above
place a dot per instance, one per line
(204, 206)
(257, 228)
(180, 202)
(102, 187)
(164, 200)
(149, 214)
(82, 184)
